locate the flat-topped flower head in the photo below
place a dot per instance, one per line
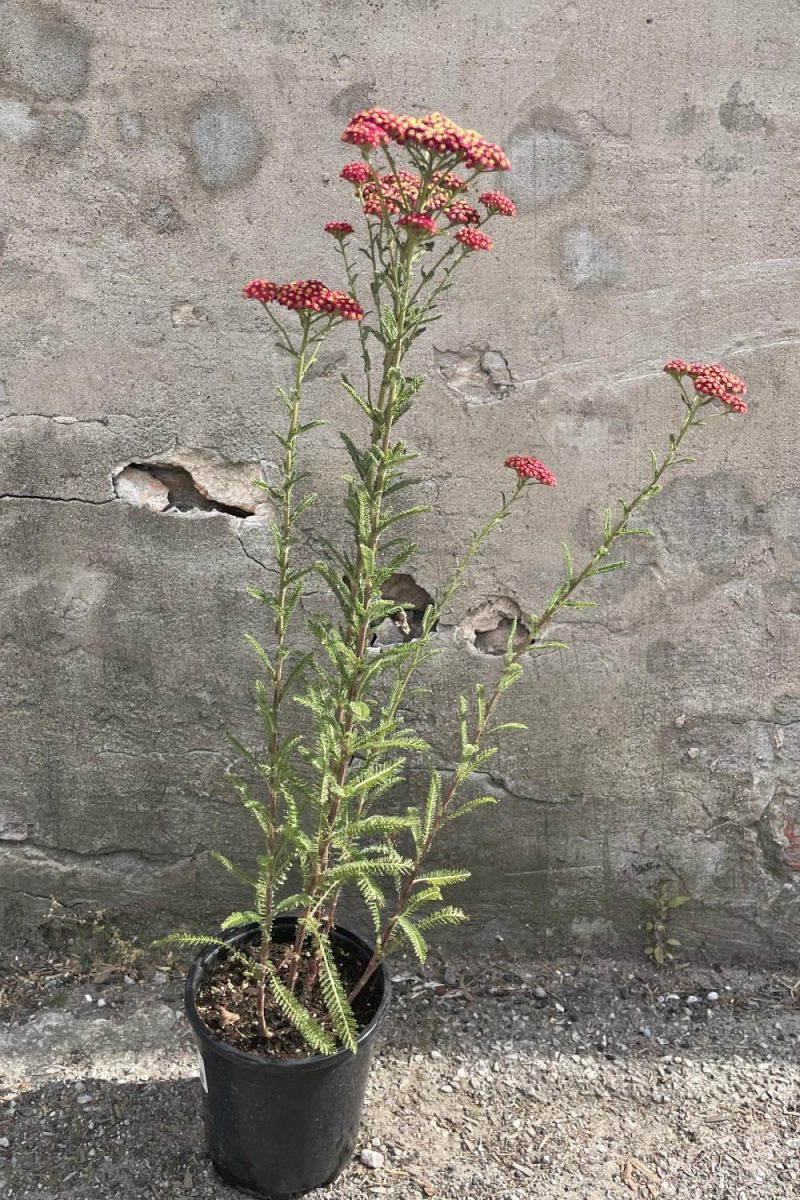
(676, 367)
(305, 295)
(433, 132)
(356, 172)
(711, 379)
(419, 222)
(530, 468)
(338, 229)
(261, 289)
(473, 239)
(365, 133)
(498, 203)
(461, 213)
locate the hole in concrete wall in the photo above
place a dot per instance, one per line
(488, 627)
(406, 625)
(191, 482)
(477, 376)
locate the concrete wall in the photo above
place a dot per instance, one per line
(156, 157)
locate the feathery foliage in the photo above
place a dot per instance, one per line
(337, 746)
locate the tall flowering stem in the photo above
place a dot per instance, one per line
(317, 803)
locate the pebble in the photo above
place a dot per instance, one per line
(712, 997)
(539, 993)
(372, 1159)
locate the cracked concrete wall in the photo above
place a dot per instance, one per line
(153, 160)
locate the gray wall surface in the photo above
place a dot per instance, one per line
(154, 158)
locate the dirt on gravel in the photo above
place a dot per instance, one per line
(568, 1079)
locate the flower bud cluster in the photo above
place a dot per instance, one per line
(306, 295)
(530, 468)
(433, 132)
(712, 379)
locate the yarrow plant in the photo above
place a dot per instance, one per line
(318, 802)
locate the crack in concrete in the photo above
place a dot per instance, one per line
(55, 499)
(57, 419)
(80, 857)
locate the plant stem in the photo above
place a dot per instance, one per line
(280, 630)
(558, 601)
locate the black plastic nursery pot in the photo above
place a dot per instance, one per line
(279, 1127)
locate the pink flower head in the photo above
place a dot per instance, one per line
(260, 289)
(676, 367)
(496, 202)
(420, 222)
(392, 193)
(711, 379)
(338, 229)
(461, 213)
(365, 133)
(306, 295)
(473, 239)
(435, 133)
(530, 468)
(356, 172)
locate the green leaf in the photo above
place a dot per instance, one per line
(447, 915)
(302, 1020)
(414, 937)
(444, 878)
(232, 867)
(388, 325)
(678, 901)
(469, 805)
(363, 404)
(567, 562)
(378, 826)
(333, 993)
(613, 566)
(246, 917)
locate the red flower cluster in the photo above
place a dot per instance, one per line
(474, 239)
(676, 366)
(711, 379)
(308, 295)
(530, 468)
(261, 289)
(365, 133)
(420, 221)
(462, 213)
(338, 229)
(399, 192)
(356, 172)
(433, 132)
(496, 202)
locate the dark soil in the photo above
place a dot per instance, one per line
(227, 1000)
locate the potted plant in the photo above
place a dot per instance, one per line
(285, 1003)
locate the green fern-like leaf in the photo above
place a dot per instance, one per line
(447, 915)
(293, 1010)
(245, 917)
(414, 937)
(333, 993)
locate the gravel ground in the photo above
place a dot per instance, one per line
(568, 1079)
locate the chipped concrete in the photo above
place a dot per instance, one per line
(192, 481)
(154, 160)
(476, 376)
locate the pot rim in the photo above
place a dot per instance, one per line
(261, 1062)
